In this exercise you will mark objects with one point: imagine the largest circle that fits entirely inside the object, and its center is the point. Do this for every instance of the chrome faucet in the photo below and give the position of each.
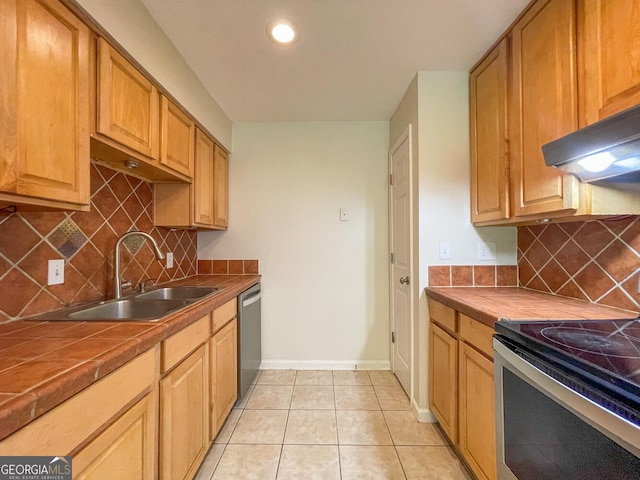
(117, 281)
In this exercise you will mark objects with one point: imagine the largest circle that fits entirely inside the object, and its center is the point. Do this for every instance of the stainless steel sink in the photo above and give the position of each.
(129, 309)
(142, 307)
(177, 293)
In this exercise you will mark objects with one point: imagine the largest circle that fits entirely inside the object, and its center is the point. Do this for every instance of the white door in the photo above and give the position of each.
(401, 258)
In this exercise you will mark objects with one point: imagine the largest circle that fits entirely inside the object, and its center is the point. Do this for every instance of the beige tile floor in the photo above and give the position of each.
(324, 425)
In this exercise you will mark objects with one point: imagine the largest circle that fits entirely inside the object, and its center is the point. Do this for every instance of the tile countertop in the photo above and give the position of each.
(43, 364)
(488, 304)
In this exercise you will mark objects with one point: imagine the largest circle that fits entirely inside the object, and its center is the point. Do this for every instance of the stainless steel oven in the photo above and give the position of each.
(568, 400)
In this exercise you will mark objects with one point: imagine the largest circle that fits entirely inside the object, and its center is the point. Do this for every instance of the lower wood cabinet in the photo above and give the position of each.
(224, 374)
(477, 412)
(184, 417)
(184, 412)
(126, 450)
(443, 388)
(461, 390)
(154, 417)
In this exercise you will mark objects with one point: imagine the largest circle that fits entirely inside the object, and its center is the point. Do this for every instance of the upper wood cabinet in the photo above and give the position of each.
(559, 65)
(44, 125)
(489, 140)
(544, 105)
(221, 188)
(202, 204)
(203, 187)
(127, 103)
(609, 54)
(136, 129)
(176, 138)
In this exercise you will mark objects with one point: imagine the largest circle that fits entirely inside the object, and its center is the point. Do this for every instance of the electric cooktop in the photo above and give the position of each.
(603, 355)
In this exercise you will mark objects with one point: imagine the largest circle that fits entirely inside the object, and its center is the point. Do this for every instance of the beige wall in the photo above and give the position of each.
(129, 22)
(438, 103)
(325, 302)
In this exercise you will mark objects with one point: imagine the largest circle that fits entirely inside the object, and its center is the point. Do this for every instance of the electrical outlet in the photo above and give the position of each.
(445, 253)
(344, 214)
(486, 250)
(55, 273)
(169, 259)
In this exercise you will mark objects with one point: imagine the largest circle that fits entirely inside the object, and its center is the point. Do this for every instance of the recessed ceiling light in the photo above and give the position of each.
(282, 32)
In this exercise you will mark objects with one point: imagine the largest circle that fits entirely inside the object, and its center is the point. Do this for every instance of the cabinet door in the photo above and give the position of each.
(128, 103)
(44, 113)
(477, 431)
(221, 188)
(126, 450)
(203, 190)
(443, 374)
(610, 66)
(489, 152)
(176, 140)
(184, 417)
(224, 374)
(544, 105)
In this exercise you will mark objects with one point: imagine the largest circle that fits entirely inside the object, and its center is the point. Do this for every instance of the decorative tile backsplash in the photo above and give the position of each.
(473, 276)
(85, 240)
(598, 261)
(228, 267)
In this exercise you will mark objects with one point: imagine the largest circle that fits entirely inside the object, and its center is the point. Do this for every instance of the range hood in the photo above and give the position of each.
(607, 150)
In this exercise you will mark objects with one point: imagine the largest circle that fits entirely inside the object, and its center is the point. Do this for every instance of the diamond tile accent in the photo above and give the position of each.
(597, 261)
(119, 203)
(67, 238)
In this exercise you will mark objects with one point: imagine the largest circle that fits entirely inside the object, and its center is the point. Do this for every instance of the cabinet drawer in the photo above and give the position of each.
(443, 315)
(223, 314)
(178, 346)
(477, 334)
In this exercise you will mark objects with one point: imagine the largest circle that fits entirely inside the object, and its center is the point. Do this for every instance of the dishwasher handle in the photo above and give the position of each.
(251, 300)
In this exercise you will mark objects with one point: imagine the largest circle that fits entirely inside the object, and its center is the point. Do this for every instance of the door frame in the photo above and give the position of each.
(406, 135)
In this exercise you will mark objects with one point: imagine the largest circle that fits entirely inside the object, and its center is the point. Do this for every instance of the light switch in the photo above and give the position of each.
(169, 259)
(344, 214)
(55, 274)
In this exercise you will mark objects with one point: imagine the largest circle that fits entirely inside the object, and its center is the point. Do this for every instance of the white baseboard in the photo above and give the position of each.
(423, 415)
(325, 365)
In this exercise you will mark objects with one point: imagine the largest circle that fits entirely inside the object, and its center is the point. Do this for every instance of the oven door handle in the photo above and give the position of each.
(608, 423)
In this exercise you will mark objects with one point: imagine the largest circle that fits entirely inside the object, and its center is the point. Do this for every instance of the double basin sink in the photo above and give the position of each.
(148, 306)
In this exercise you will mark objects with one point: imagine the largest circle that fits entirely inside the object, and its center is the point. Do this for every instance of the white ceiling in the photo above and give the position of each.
(353, 61)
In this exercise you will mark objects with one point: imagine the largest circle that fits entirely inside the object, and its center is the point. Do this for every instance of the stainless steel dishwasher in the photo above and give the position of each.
(249, 337)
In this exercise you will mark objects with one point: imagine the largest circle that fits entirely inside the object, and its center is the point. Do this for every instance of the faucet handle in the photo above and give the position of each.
(142, 286)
